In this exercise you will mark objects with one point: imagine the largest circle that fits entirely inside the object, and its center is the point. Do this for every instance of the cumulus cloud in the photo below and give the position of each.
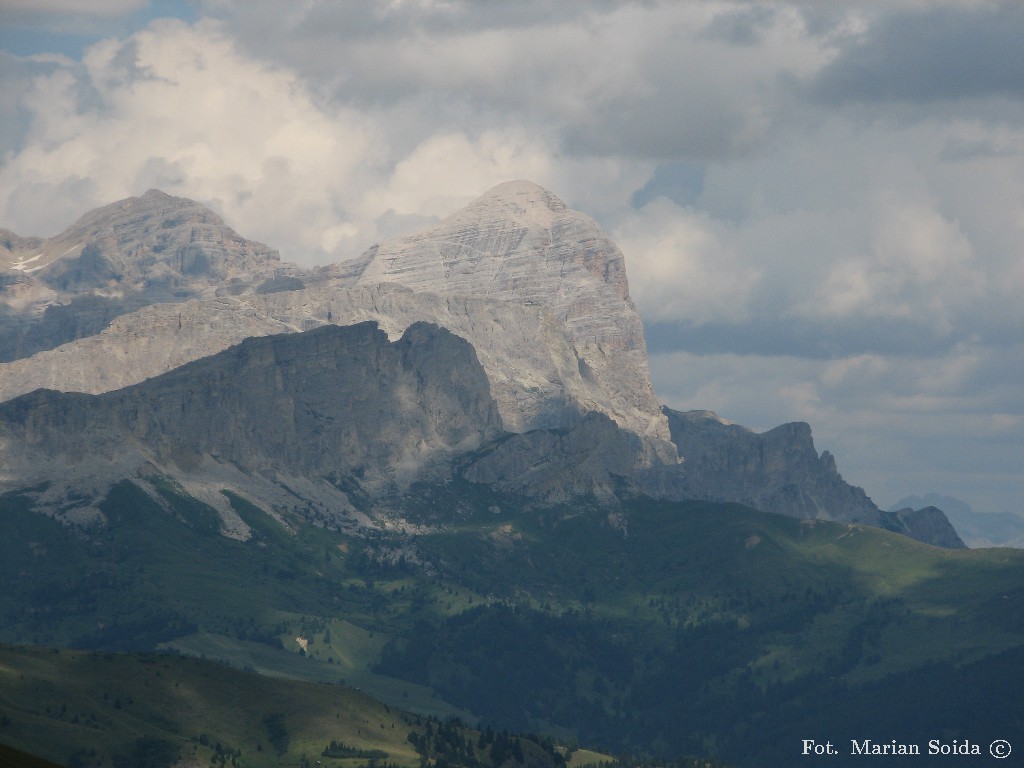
(680, 269)
(180, 108)
(643, 80)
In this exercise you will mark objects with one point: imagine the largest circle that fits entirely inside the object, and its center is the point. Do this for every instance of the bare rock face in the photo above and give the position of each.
(340, 407)
(116, 259)
(520, 243)
(776, 471)
(535, 374)
(159, 287)
(537, 289)
(594, 459)
(930, 524)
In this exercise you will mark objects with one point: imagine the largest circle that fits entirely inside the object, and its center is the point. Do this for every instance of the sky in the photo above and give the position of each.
(821, 205)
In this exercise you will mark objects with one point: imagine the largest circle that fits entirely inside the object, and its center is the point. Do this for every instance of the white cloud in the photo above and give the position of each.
(179, 108)
(679, 267)
(447, 170)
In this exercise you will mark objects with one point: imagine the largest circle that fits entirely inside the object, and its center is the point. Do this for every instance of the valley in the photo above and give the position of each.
(609, 631)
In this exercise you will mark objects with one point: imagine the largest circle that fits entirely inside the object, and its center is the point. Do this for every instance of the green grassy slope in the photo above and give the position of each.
(144, 711)
(713, 628)
(668, 629)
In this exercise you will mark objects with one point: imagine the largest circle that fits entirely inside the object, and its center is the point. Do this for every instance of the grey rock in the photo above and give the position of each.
(775, 471)
(116, 259)
(143, 287)
(978, 529)
(594, 459)
(532, 365)
(537, 289)
(519, 242)
(930, 524)
(339, 407)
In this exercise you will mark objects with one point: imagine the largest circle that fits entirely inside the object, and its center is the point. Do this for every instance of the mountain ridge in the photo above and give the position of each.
(537, 290)
(775, 471)
(116, 259)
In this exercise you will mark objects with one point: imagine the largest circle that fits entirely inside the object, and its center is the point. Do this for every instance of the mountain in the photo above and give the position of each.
(930, 524)
(977, 529)
(519, 242)
(513, 268)
(465, 504)
(776, 471)
(317, 416)
(548, 364)
(116, 259)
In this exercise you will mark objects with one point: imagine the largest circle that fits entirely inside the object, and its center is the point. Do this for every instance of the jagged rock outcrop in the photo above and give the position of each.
(535, 374)
(930, 524)
(342, 408)
(594, 459)
(775, 471)
(150, 284)
(116, 259)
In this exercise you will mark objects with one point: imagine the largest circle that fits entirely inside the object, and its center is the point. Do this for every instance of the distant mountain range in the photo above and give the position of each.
(147, 285)
(977, 529)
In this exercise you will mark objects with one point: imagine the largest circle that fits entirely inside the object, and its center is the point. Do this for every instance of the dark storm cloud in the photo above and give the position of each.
(931, 55)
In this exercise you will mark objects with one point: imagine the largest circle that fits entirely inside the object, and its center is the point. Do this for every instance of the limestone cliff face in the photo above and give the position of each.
(533, 367)
(138, 251)
(536, 294)
(775, 471)
(595, 459)
(518, 242)
(342, 406)
(536, 288)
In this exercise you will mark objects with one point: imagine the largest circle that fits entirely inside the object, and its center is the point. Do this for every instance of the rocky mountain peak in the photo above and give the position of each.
(520, 242)
(521, 199)
(930, 524)
(138, 251)
(157, 235)
(330, 409)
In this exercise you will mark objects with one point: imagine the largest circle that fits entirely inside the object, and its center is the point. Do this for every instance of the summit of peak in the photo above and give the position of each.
(518, 199)
(517, 241)
(525, 192)
(520, 243)
(156, 194)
